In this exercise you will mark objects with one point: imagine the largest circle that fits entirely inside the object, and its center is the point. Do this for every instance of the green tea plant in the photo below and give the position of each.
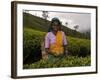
(32, 40)
(69, 61)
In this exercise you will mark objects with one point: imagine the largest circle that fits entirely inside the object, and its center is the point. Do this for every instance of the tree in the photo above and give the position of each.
(45, 15)
(75, 31)
(66, 23)
(76, 27)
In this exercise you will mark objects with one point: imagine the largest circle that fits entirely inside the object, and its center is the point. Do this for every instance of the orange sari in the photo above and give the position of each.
(57, 48)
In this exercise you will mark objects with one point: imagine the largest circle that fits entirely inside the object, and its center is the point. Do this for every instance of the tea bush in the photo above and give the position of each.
(69, 61)
(79, 47)
(32, 45)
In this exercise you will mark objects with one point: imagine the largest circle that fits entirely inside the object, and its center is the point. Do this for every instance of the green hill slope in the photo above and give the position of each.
(40, 24)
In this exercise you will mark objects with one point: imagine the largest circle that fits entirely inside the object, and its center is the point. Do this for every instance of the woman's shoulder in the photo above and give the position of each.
(48, 33)
(62, 32)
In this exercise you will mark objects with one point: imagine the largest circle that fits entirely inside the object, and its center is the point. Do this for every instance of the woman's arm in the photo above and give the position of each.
(46, 46)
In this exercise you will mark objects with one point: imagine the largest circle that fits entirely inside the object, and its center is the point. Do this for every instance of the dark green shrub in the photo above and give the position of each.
(32, 45)
(78, 47)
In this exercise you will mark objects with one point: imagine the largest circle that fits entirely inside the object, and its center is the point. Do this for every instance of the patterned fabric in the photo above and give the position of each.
(55, 42)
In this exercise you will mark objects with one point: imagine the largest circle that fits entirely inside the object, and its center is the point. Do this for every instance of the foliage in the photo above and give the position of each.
(32, 45)
(69, 61)
(79, 47)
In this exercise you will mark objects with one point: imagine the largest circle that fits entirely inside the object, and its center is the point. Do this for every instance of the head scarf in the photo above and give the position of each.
(55, 19)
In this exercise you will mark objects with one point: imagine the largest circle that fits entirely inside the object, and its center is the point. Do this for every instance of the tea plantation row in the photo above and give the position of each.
(32, 40)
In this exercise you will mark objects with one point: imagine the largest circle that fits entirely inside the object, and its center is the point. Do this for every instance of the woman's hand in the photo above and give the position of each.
(45, 54)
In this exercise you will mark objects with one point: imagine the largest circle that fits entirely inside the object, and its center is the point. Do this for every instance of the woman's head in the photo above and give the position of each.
(55, 24)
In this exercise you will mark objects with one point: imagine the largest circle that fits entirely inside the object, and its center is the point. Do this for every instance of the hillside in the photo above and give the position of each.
(40, 24)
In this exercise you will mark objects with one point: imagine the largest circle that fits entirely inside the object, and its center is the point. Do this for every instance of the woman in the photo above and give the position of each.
(55, 41)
